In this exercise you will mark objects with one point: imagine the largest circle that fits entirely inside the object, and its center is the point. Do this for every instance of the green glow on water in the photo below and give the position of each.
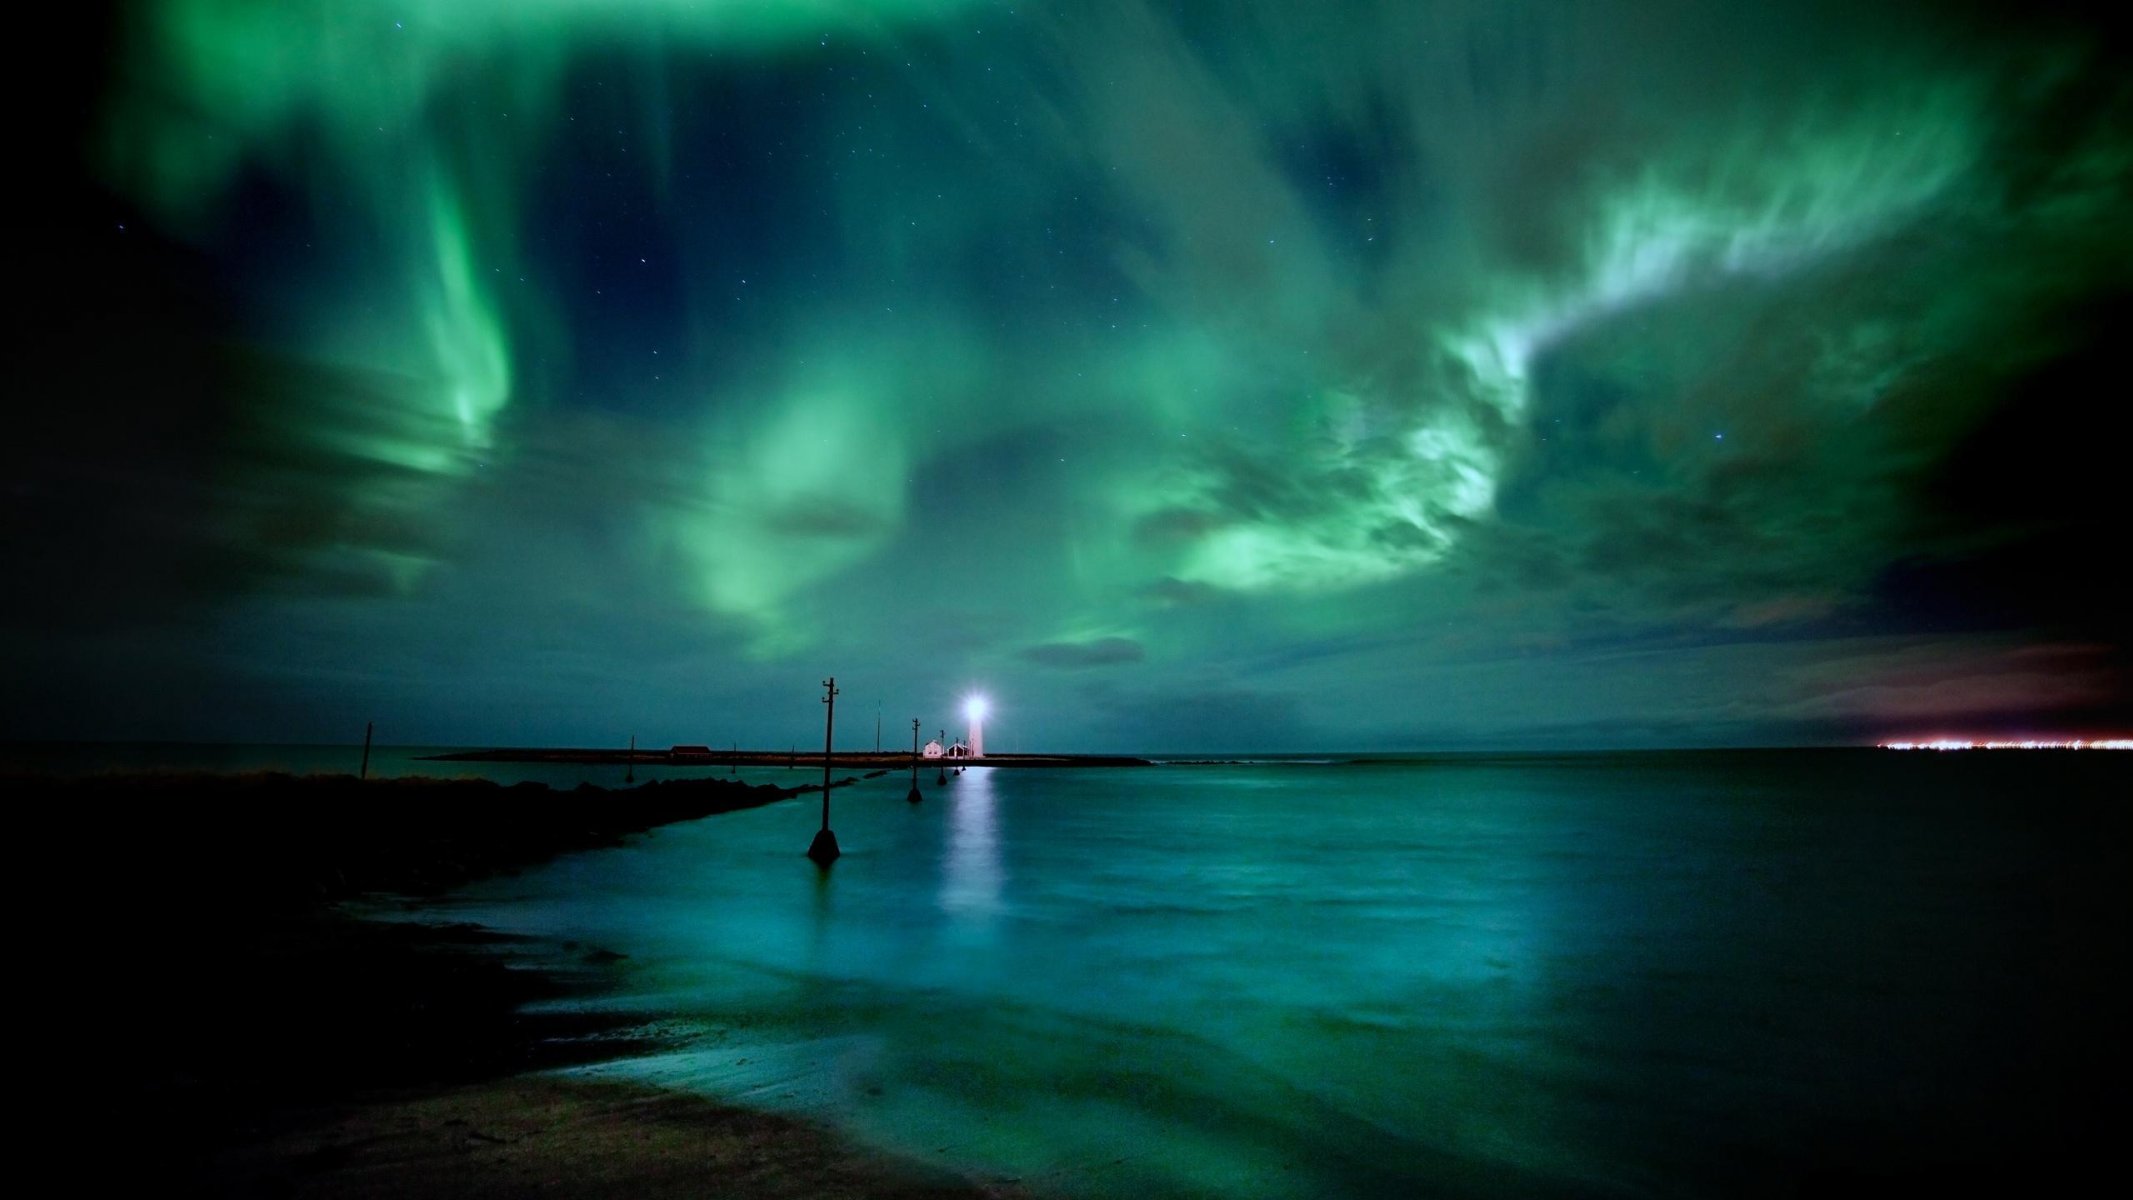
(1486, 977)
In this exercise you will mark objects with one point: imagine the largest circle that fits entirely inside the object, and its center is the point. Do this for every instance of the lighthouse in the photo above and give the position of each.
(974, 709)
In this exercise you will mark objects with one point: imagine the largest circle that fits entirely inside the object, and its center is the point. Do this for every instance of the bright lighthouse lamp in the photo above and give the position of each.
(974, 710)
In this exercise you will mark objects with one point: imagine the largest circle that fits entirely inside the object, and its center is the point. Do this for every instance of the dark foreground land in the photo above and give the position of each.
(221, 1020)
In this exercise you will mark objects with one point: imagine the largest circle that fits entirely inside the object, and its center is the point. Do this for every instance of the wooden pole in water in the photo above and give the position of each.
(914, 797)
(824, 850)
(367, 727)
(629, 773)
(829, 733)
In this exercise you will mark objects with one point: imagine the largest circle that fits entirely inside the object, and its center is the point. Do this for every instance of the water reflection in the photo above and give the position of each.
(970, 862)
(819, 929)
(1670, 976)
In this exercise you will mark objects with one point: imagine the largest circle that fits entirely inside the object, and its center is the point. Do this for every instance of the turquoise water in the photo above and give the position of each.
(1638, 974)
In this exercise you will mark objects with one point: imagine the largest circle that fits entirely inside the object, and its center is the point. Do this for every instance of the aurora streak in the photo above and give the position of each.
(1585, 373)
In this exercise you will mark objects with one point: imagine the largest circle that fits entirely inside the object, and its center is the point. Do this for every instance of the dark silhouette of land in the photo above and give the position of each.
(703, 756)
(230, 1017)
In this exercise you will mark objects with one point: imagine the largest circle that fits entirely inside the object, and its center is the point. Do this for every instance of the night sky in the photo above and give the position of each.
(1186, 376)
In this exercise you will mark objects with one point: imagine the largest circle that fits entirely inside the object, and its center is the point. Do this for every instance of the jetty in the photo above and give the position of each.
(704, 756)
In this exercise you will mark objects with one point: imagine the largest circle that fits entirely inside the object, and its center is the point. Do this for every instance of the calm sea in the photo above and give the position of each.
(1637, 974)
(1646, 974)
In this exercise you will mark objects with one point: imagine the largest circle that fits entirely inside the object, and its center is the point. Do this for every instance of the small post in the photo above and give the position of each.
(824, 850)
(943, 780)
(629, 773)
(914, 797)
(367, 727)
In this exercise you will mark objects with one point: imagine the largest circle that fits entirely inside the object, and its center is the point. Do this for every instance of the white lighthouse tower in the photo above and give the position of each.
(974, 709)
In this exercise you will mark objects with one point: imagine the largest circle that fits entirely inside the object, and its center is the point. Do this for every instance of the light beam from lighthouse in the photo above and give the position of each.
(974, 709)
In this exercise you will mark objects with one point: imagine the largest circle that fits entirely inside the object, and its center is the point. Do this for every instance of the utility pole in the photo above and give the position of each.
(943, 780)
(824, 850)
(914, 797)
(629, 773)
(367, 727)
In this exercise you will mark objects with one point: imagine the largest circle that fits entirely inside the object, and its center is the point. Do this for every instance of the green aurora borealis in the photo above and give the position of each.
(1189, 375)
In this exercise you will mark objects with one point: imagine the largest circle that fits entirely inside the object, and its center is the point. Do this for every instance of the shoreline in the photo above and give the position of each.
(240, 1023)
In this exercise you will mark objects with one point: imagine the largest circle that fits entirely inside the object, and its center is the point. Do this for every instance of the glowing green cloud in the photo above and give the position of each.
(221, 82)
(814, 486)
(832, 324)
(466, 334)
(1405, 469)
(361, 105)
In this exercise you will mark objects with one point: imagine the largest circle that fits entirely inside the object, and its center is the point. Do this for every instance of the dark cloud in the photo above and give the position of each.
(1099, 652)
(1214, 717)
(1926, 686)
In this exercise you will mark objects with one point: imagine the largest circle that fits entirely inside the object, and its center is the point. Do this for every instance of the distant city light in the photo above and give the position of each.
(1960, 744)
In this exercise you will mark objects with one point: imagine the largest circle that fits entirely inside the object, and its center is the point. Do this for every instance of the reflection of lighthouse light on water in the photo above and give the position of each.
(972, 873)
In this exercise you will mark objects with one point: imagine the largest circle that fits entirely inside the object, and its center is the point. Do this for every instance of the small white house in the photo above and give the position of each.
(933, 749)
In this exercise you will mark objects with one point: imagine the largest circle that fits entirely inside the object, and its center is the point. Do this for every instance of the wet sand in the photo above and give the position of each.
(559, 1137)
